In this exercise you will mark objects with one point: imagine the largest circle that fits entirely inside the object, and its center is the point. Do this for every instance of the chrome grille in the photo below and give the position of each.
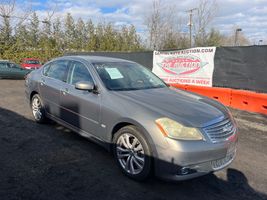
(220, 131)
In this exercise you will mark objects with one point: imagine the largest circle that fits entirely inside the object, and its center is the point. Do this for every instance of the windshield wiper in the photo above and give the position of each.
(143, 88)
(124, 89)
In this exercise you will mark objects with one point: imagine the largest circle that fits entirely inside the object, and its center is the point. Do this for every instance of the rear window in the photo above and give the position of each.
(35, 62)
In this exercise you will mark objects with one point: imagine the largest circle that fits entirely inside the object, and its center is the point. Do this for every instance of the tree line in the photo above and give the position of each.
(31, 37)
(50, 38)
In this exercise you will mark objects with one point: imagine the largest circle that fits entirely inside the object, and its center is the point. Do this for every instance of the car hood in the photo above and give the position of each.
(184, 107)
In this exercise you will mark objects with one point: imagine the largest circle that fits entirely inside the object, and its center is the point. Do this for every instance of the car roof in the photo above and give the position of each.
(96, 59)
(30, 59)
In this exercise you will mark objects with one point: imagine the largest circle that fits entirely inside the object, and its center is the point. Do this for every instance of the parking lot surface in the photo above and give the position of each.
(51, 162)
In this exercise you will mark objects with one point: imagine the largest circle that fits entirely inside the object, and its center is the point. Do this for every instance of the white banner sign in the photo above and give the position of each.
(189, 66)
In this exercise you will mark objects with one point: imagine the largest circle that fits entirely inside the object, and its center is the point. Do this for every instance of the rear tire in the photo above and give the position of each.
(38, 110)
(132, 153)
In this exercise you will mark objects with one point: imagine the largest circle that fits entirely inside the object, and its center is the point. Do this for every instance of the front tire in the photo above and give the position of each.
(38, 109)
(132, 153)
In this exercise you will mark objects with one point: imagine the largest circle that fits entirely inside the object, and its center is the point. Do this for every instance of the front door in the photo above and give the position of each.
(80, 108)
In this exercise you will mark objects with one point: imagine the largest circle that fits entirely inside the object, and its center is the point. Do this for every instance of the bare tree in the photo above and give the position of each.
(10, 20)
(206, 12)
(164, 27)
(154, 23)
(47, 22)
(8, 10)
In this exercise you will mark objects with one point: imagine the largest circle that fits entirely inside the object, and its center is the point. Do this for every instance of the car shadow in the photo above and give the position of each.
(51, 162)
(234, 186)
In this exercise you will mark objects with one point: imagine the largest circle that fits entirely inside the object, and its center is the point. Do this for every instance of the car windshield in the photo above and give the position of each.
(127, 76)
(32, 62)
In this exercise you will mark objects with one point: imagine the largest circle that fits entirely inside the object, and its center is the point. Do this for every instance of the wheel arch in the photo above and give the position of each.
(144, 132)
(32, 94)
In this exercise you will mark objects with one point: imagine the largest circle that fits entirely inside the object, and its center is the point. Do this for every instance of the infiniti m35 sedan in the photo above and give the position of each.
(149, 126)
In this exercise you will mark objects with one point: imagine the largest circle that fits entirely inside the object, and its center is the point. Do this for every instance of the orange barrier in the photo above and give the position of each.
(180, 86)
(222, 95)
(240, 99)
(250, 101)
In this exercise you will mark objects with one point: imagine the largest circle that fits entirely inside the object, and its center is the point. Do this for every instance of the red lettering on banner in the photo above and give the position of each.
(192, 66)
(192, 81)
(202, 82)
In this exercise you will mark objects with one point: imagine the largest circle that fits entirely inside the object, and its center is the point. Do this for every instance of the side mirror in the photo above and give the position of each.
(85, 85)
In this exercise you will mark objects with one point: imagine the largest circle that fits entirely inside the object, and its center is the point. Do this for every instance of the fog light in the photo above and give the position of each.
(185, 171)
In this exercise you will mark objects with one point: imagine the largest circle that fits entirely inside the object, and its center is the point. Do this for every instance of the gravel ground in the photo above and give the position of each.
(51, 162)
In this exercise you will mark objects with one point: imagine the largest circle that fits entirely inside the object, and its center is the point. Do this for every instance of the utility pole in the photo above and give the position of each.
(190, 24)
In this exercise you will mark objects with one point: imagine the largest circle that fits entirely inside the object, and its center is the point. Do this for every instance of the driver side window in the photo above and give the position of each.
(79, 73)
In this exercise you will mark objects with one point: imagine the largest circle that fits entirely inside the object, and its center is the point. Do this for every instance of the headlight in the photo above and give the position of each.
(173, 129)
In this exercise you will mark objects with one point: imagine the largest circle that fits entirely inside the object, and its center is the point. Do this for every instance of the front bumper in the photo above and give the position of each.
(189, 159)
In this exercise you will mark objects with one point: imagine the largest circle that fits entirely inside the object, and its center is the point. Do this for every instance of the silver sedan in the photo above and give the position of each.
(130, 111)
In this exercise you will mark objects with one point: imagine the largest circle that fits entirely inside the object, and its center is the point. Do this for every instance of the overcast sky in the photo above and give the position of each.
(250, 15)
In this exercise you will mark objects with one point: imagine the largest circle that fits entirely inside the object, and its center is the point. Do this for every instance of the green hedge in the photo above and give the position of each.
(42, 55)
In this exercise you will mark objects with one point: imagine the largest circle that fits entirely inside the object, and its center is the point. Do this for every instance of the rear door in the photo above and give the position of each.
(80, 108)
(53, 77)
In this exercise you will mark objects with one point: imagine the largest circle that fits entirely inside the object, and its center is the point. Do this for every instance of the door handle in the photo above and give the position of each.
(65, 91)
(42, 81)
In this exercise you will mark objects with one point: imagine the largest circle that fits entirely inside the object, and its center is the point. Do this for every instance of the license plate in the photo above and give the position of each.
(221, 163)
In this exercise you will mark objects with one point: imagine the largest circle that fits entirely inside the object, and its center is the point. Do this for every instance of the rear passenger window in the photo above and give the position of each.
(58, 70)
(79, 73)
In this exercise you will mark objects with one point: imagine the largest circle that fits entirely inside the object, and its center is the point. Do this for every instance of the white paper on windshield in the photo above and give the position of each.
(114, 73)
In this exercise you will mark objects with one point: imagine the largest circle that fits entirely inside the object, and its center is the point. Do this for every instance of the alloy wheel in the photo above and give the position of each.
(36, 108)
(130, 153)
